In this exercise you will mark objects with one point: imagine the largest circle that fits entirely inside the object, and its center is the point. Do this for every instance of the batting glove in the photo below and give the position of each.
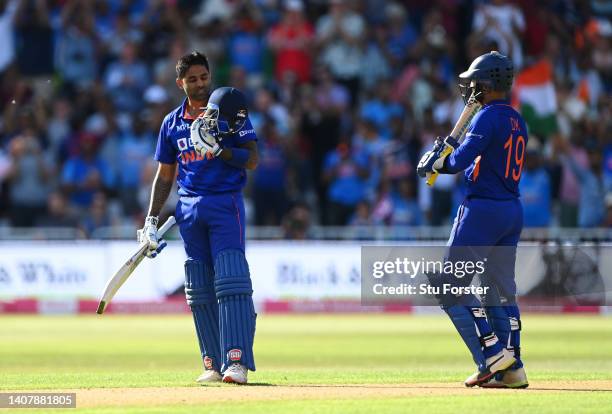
(433, 160)
(148, 234)
(203, 141)
(449, 145)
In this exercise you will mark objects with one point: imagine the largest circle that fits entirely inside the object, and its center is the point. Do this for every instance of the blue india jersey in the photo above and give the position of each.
(493, 152)
(198, 176)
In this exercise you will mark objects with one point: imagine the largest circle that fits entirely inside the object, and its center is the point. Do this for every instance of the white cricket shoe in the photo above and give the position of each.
(497, 363)
(209, 375)
(512, 378)
(236, 373)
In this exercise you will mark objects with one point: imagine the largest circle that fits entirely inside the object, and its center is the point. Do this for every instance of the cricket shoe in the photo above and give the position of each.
(512, 378)
(236, 373)
(497, 363)
(209, 375)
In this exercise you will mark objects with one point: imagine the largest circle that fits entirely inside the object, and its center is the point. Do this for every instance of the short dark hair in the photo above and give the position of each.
(189, 60)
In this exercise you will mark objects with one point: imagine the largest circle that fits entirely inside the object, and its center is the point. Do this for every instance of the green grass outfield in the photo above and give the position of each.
(347, 358)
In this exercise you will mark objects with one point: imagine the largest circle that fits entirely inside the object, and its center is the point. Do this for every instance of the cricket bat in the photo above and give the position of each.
(458, 132)
(119, 278)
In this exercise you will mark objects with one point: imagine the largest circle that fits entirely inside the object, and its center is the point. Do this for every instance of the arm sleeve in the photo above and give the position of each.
(476, 140)
(165, 151)
(246, 134)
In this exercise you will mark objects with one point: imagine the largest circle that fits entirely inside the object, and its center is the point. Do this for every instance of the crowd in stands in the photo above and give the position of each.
(345, 96)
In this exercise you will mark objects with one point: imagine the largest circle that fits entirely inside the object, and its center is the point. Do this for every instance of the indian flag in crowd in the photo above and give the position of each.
(534, 95)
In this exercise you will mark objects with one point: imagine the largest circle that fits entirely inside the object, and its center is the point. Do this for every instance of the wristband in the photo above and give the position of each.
(240, 157)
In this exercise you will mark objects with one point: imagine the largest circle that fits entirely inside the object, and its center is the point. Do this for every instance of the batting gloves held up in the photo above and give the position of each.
(203, 141)
(433, 160)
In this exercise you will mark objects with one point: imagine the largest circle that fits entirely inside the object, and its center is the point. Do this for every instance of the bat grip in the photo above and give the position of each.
(166, 226)
(431, 179)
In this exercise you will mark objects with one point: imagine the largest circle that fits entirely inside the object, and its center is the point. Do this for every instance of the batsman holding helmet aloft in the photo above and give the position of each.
(491, 216)
(212, 141)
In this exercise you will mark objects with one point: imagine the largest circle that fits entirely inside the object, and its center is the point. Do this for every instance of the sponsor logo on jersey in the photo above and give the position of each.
(188, 153)
(246, 131)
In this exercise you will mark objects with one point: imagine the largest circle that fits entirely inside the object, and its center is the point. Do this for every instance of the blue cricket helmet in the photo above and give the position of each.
(491, 71)
(226, 112)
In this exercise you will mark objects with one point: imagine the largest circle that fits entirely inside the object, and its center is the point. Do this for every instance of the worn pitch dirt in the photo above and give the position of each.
(201, 395)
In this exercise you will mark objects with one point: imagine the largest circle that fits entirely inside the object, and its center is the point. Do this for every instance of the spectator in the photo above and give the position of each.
(382, 208)
(246, 46)
(535, 188)
(380, 109)
(123, 32)
(126, 80)
(345, 171)
(362, 216)
(503, 23)
(268, 108)
(30, 179)
(406, 211)
(340, 35)
(269, 181)
(76, 49)
(398, 35)
(86, 173)
(58, 213)
(7, 34)
(291, 40)
(297, 222)
(136, 146)
(35, 40)
(570, 189)
(591, 209)
(98, 216)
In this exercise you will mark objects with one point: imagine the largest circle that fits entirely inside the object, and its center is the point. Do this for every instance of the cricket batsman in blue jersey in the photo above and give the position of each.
(212, 141)
(488, 222)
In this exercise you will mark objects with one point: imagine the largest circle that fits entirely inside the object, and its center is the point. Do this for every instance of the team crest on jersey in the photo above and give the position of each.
(234, 355)
(208, 362)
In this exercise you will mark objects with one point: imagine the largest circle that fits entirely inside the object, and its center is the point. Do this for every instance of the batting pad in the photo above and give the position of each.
(506, 324)
(236, 311)
(200, 293)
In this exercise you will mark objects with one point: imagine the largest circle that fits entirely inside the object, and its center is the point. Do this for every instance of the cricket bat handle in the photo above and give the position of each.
(458, 132)
(431, 177)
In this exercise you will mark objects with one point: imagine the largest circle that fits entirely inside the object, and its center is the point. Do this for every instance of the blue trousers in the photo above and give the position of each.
(210, 224)
(493, 228)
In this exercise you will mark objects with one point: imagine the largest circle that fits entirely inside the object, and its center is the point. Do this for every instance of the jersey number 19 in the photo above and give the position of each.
(516, 153)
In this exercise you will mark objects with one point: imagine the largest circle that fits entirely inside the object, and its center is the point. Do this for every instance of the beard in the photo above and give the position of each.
(200, 95)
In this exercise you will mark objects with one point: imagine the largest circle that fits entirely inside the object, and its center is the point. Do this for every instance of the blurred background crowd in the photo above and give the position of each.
(345, 96)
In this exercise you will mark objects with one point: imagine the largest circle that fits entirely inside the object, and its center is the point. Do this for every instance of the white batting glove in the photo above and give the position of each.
(204, 143)
(148, 235)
